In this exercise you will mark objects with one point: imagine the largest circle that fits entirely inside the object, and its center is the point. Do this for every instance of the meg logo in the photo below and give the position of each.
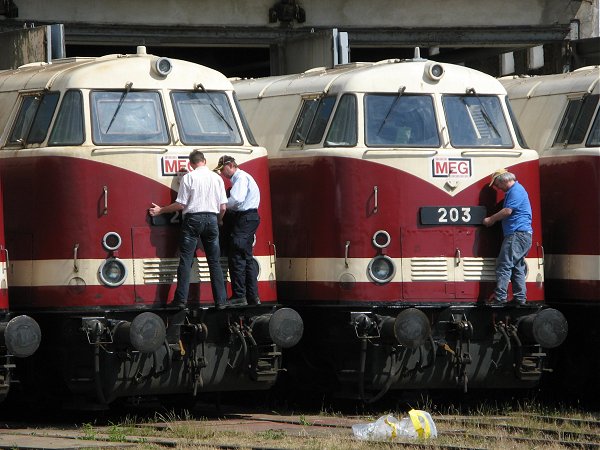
(451, 167)
(174, 165)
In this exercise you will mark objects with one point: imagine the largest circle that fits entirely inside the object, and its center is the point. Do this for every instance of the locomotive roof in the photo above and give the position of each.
(110, 72)
(580, 80)
(383, 76)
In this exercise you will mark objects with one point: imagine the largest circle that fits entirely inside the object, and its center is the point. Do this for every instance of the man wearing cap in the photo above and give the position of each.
(242, 206)
(516, 227)
(203, 199)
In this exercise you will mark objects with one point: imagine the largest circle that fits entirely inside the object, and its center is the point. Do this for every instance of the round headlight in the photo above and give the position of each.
(381, 239)
(381, 269)
(163, 66)
(111, 241)
(112, 272)
(435, 71)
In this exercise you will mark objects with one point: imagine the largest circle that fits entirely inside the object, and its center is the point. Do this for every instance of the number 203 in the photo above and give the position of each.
(454, 215)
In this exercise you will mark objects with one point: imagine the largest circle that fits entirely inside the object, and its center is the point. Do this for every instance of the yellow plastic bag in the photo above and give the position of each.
(419, 425)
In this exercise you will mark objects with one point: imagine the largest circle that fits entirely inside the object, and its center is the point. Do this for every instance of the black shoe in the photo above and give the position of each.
(254, 301)
(178, 305)
(221, 305)
(241, 301)
(493, 300)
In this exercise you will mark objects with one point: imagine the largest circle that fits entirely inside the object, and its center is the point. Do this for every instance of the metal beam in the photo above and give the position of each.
(96, 34)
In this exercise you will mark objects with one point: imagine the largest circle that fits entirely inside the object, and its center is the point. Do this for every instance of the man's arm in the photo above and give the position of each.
(158, 210)
(503, 213)
(222, 210)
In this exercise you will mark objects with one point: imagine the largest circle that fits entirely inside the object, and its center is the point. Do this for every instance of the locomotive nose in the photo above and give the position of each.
(548, 328)
(22, 336)
(285, 327)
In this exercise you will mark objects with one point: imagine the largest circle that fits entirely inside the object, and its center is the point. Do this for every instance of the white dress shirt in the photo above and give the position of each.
(201, 190)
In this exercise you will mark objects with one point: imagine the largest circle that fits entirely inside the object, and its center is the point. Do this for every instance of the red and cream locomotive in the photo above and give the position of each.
(20, 335)
(379, 184)
(86, 146)
(560, 118)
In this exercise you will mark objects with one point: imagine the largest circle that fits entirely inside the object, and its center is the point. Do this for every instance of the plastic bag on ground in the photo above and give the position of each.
(418, 425)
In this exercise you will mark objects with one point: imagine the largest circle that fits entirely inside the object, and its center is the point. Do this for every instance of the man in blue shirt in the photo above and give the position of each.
(516, 227)
(242, 207)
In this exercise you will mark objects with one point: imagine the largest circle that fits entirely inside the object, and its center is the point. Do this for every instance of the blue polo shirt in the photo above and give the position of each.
(516, 198)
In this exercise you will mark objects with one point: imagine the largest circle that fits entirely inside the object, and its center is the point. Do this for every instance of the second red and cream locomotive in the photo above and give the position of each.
(380, 180)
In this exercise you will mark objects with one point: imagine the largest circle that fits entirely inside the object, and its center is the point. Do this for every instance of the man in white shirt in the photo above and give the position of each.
(202, 200)
(242, 205)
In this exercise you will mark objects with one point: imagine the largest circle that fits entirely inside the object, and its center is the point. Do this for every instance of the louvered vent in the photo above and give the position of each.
(479, 269)
(428, 269)
(165, 270)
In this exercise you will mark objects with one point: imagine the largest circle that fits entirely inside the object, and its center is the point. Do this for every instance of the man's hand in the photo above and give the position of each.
(155, 210)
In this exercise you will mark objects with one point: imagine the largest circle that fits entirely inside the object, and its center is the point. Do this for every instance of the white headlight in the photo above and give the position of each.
(112, 272)
(381, 269)
(434, 71)
(163, 66)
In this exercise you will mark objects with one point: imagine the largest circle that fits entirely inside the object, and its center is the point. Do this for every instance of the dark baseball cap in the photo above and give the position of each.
(225, 159)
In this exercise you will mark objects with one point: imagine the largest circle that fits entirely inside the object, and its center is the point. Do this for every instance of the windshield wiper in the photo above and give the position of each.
(123, 95)
(484, 113)
(400, 93)
(214, 107)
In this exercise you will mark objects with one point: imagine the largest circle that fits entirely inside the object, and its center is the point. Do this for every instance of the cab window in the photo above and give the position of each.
(128, 118)
(476, 121)
(68, 126)
(400, 120)
(33, 119)
(343, 129)
(205, 118)
(312, 121)
(576, 120)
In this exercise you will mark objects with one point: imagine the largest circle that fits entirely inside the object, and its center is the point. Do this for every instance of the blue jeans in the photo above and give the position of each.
(510, 266)
(203, 226)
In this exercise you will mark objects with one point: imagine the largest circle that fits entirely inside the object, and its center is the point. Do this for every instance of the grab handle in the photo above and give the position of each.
(346, 250)
(105, 189)
(376, 196)
(75, 263)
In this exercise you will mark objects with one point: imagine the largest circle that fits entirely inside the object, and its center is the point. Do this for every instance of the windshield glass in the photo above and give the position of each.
(205, 118)
(126, 118)
(476, 121)
(400, 120)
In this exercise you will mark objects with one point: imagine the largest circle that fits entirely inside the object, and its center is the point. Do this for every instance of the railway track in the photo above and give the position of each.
(273, 432)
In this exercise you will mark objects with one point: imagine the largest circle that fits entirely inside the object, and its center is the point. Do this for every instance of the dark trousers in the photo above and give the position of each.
(201, 226)
(242, 267)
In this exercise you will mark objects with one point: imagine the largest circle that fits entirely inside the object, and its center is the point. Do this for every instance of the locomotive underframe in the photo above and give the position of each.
(204, 351)
(359, 361)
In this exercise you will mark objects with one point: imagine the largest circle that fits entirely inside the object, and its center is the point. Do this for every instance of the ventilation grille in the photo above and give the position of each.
(479, 269)
(164, 271)
(428, 269)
